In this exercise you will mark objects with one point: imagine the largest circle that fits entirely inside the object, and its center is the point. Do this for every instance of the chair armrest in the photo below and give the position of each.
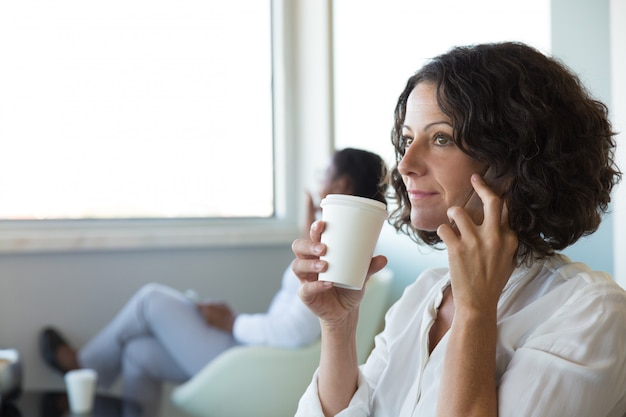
(237, 381)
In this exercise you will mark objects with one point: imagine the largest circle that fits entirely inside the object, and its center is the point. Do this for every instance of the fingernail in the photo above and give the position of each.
(319, 265)
(317, 249)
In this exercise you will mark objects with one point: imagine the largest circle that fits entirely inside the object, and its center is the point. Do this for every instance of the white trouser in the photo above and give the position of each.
(158, 336)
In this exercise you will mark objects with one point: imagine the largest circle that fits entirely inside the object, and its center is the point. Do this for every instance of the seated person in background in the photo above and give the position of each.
(161, 336)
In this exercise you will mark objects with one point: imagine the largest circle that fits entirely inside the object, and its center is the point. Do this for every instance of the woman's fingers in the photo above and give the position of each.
(446, 232)
(378, 262)
(311, 289)
(310, 248)
(308, 269)
(490, 233)
(317, 227)
(490, 205)
(307, 264)
(496, 222)
(307, 249)
(459, 220)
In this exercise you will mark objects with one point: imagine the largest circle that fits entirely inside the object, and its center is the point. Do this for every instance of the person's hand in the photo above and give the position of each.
(331, 304)
(481, 257)
(218, 314)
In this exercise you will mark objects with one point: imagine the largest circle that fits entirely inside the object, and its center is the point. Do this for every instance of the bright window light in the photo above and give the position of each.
(377, 52)
(136, 109)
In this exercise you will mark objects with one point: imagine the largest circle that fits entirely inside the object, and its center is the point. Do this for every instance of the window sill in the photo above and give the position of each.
(70, 236)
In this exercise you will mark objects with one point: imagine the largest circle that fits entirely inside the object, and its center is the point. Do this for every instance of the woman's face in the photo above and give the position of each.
(435, 171)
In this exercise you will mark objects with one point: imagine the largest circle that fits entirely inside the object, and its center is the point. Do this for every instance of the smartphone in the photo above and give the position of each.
(474, 205)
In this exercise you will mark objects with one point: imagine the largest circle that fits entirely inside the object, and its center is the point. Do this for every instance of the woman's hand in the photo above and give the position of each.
(481, 257)
(338, 311)
(331, 304)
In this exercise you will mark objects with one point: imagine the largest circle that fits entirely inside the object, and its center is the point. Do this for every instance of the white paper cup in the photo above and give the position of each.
(81, 390)
(353, 225)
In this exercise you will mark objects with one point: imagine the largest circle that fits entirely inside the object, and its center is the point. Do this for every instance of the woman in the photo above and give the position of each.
(502, 156)
(160, 335)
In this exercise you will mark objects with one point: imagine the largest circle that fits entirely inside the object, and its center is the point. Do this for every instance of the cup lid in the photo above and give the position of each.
(352, 200)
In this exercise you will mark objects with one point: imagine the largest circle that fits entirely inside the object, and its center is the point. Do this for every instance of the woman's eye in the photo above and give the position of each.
(406, 142)
(441, 140)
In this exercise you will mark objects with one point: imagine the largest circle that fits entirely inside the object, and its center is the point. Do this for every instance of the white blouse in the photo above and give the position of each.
(288, 323)
(561, 348)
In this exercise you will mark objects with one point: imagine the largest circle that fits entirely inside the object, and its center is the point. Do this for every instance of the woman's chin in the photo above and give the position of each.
(428, 220)
(425, 224)
(424, 227)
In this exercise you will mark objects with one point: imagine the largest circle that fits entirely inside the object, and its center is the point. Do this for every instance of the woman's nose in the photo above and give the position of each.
(411, 161)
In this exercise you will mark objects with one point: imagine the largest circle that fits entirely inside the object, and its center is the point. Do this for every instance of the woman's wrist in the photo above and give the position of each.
(342, 326)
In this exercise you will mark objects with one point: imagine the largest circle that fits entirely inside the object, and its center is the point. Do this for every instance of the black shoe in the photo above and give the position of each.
(49, 342)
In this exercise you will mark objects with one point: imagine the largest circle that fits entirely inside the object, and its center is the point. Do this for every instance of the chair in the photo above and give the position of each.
(263, 381)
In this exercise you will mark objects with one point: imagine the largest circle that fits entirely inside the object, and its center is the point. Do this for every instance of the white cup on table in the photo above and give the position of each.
(81, 390)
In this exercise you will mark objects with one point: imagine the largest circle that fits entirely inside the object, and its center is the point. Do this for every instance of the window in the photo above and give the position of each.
(135, 115)
(130, 109)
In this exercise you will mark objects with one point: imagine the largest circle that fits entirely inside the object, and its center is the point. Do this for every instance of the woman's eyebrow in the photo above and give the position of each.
(430, 125)
(441, 122)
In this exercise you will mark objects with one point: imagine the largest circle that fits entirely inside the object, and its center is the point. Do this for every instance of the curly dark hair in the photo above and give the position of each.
(366, 170)
(530, 119)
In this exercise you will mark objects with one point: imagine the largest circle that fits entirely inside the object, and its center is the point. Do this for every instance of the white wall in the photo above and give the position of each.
(590, 37)
(618, 107)
(581, 39)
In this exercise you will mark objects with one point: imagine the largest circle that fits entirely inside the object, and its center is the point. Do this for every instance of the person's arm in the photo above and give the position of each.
(468, 385)
(310, 215)
(287, 323)
(337, 309)
(481, 262)
(338, 371)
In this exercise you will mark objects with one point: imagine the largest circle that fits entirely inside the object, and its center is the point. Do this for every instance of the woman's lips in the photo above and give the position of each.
(419, 195)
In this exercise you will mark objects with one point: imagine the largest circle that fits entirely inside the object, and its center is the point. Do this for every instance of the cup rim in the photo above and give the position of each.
(347, 199)
(80, 372)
